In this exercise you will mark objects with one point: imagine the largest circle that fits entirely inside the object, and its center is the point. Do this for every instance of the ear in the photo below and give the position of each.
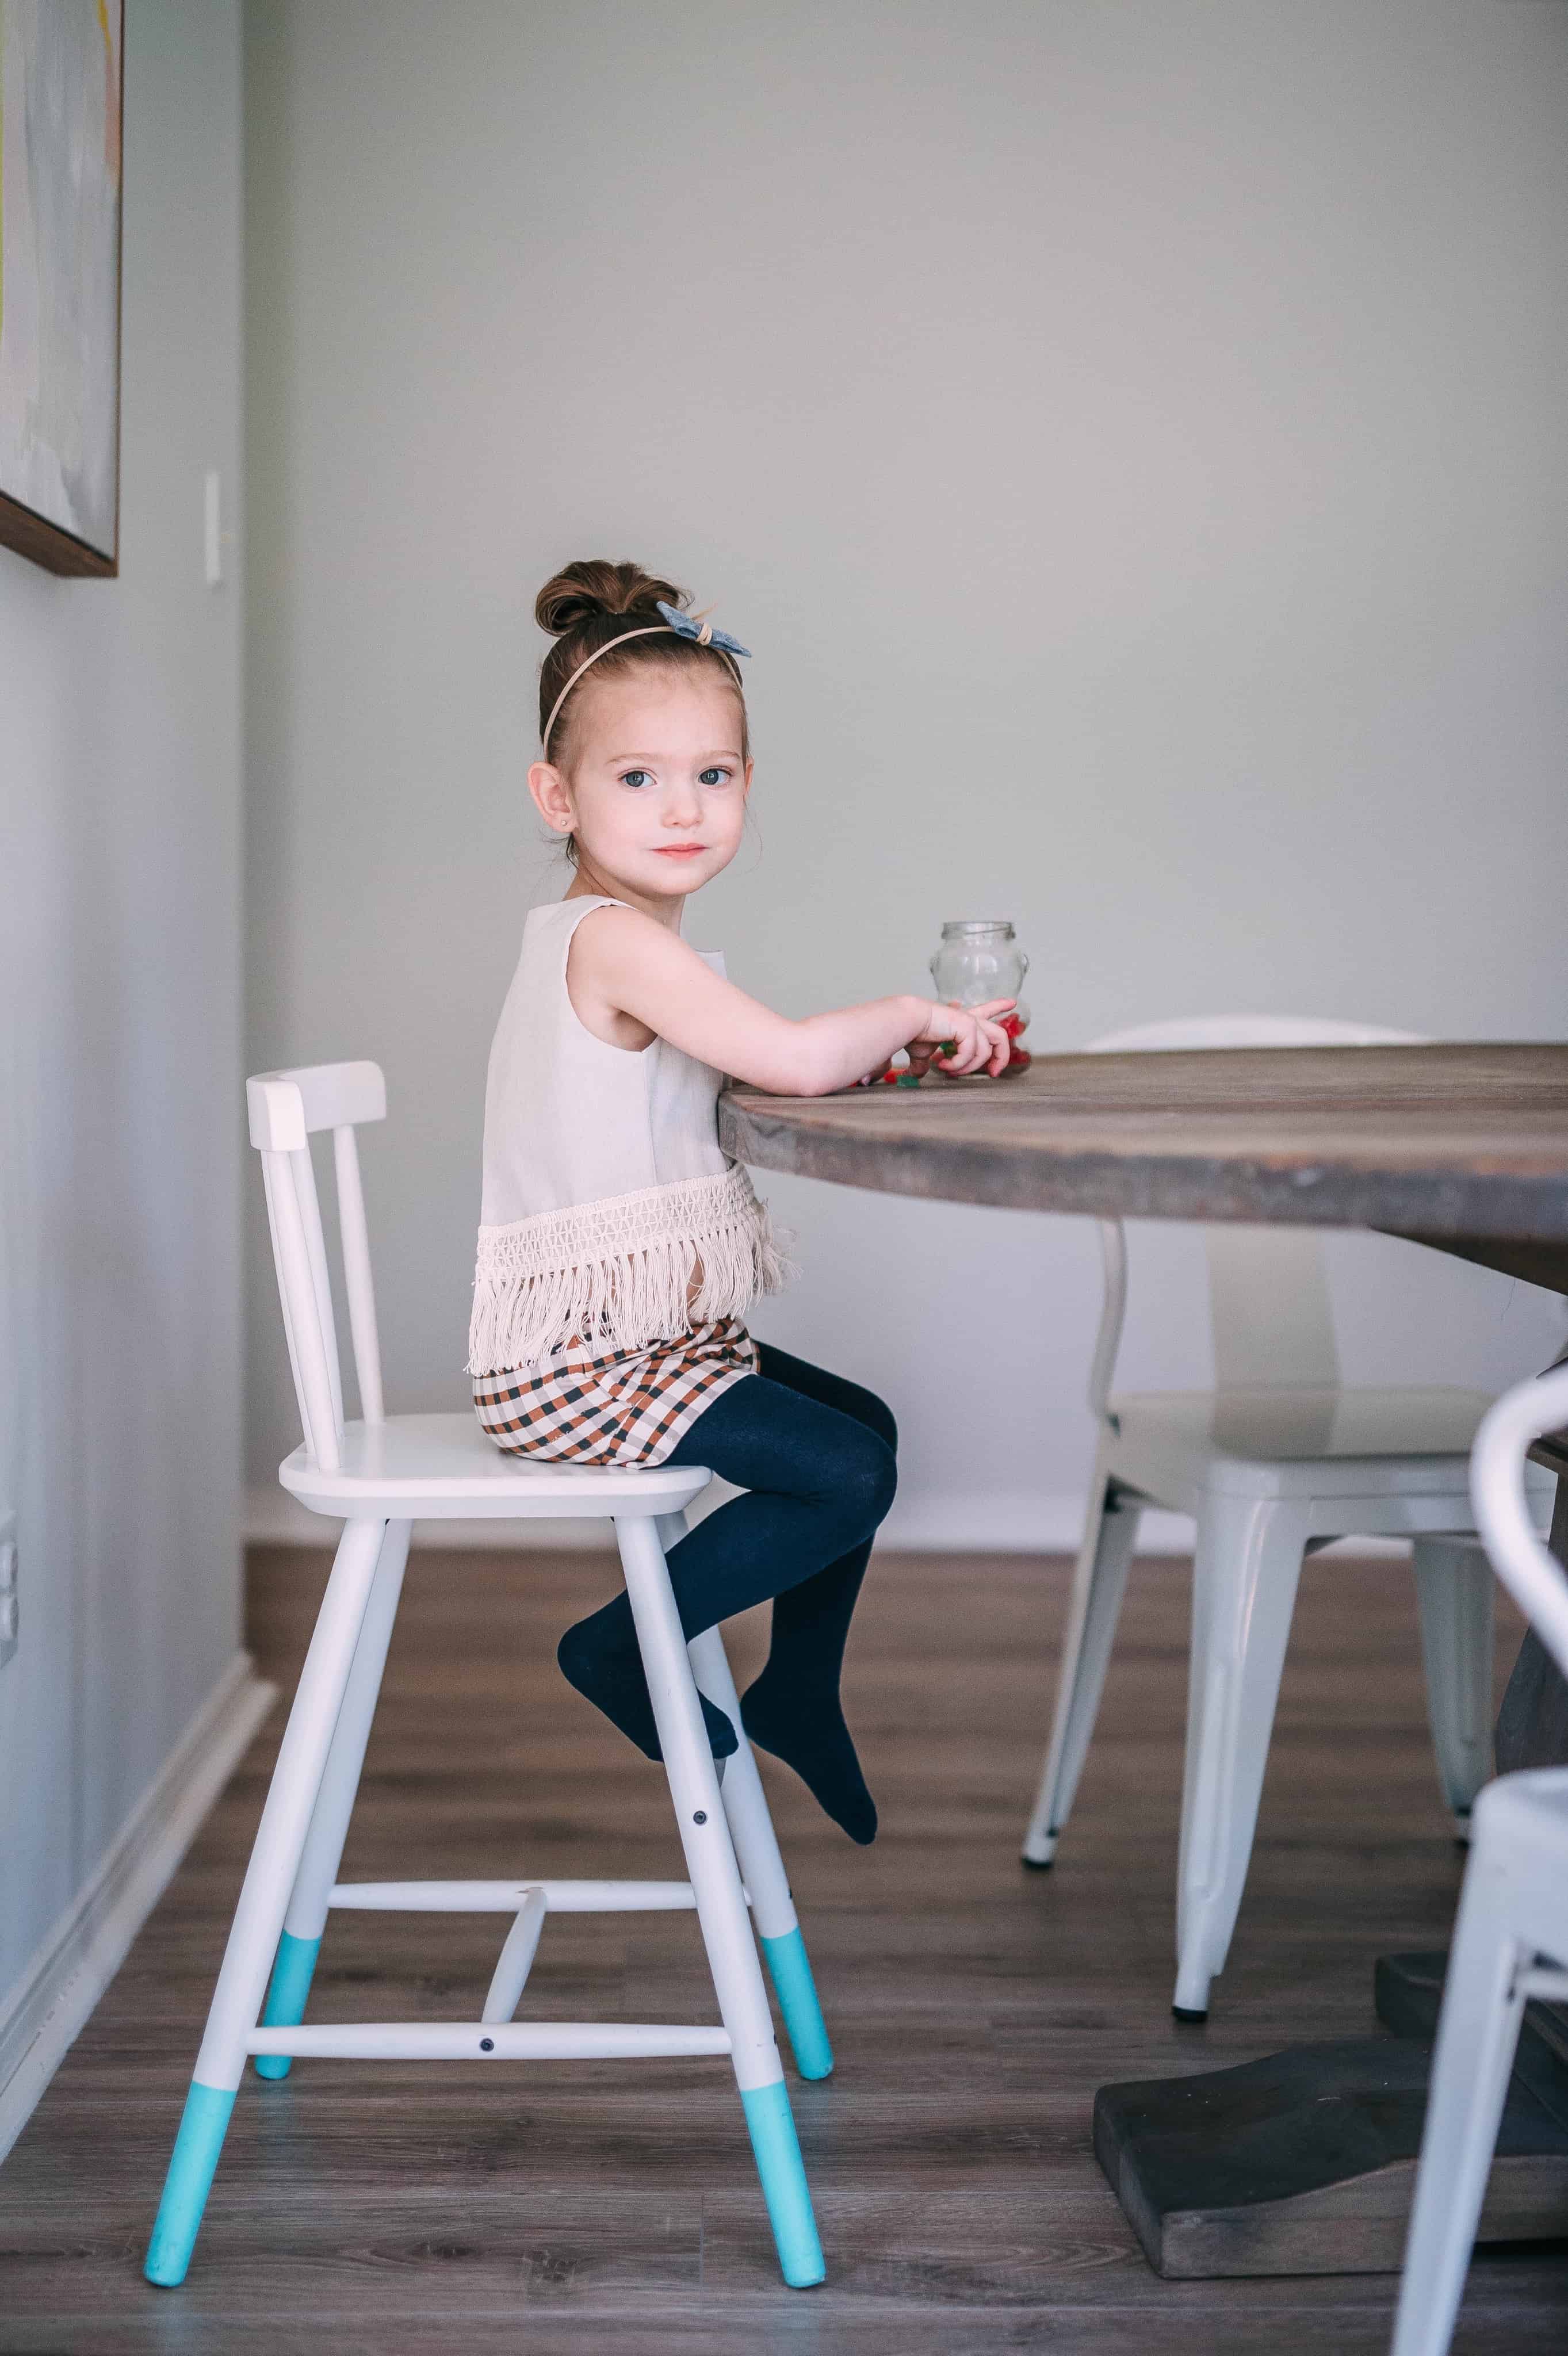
(553, 797)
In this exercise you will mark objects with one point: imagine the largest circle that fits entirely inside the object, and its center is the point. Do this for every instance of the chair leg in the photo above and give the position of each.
(1099, 1582)
(762, 1870)
(305, 1921)
(721, 1902)
(756, 1849)
(1453, 1590)
(258, 1918)
(1246, 1568)
(1478, 2032)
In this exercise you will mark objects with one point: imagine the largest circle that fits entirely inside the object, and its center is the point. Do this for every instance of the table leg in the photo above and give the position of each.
(1532, 1724)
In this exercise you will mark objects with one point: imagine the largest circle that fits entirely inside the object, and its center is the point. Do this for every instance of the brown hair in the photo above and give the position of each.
(590, 605)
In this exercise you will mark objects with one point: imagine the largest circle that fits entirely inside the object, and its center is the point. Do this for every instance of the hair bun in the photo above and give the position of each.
(593, 590)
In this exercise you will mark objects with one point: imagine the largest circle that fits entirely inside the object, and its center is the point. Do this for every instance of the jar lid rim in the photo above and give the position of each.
(977, 924)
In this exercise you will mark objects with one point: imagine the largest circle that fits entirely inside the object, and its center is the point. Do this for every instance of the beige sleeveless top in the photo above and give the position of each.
(605, 1189)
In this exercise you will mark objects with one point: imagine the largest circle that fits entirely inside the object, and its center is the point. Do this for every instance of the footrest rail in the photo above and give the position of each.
(489, 2041)
(506, 1897)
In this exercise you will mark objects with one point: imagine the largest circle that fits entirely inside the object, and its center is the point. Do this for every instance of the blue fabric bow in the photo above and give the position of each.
(691, 626)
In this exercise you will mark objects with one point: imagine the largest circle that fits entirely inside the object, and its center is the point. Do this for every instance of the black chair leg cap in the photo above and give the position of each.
(1180, 2012)
(1037, 1864)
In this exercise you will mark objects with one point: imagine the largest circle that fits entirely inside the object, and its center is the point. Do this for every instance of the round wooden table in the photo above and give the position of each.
(1461, 1148)
(1465, 1147)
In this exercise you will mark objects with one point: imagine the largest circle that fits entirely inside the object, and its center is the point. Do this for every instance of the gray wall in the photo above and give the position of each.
(1130, 436)
(120, 1001)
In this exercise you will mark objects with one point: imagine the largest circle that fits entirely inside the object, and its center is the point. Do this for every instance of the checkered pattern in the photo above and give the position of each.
(624, 1407)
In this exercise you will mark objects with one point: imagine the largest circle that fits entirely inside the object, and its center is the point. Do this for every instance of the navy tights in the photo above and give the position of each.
(815, 1456)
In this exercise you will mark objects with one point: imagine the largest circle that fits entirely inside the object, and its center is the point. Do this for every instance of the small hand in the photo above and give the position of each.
(958, 1039)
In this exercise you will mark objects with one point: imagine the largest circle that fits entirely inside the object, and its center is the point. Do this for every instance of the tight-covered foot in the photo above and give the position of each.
(807, 1733)
(608, 1672)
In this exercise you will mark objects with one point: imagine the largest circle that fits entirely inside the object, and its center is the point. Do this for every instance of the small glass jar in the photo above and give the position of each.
(979, 959)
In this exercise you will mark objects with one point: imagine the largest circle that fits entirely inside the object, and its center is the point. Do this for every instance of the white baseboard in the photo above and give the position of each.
(49, 2006)
(992, 1522)
(1000, 1522)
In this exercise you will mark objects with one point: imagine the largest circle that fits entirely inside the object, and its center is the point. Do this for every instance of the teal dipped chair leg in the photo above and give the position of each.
(756, 1847)
(190, 2172)
(256, 1931)
(776, 2150)
(294, 1966)
(789, 1969)
(292, 1971)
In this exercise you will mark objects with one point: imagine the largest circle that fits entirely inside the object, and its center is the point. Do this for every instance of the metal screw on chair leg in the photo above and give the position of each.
(701, 1818)
(487, 2044)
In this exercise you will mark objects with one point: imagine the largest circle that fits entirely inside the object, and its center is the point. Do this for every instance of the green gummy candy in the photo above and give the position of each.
(907, 1080)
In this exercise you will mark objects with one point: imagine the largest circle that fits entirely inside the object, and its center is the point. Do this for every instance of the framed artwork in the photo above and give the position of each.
(61, 73)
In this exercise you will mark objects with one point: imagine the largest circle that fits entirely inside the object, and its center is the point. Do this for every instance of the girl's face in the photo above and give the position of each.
(656, 791)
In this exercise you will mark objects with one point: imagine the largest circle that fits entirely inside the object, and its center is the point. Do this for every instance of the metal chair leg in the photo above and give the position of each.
(1100, 1581)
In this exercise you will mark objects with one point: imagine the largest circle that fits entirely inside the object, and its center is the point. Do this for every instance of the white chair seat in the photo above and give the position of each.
(444, 1467)
(1345, 1444)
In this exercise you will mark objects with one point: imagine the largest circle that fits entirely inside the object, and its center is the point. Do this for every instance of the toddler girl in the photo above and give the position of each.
(619, 1248)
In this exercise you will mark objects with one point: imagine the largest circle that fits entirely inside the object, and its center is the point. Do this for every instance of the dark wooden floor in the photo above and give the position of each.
(974, 2010)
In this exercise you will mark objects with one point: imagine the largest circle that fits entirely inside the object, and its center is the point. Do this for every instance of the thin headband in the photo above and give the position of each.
(676, 624)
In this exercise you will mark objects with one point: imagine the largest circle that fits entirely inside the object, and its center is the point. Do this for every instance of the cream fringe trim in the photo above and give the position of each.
(617, 1273)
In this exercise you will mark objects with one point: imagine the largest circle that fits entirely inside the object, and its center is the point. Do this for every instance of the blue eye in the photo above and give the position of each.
(637, 778)
(713, 777)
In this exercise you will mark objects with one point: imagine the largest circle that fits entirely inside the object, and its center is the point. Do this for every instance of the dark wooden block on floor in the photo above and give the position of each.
(1305, 2162)
(1409, 1991)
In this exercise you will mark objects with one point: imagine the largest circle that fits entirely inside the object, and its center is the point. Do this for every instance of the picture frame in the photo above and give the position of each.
(61, 124)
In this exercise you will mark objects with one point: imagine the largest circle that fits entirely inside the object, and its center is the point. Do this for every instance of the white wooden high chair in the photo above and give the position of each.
(1275, 1462)
(376, 1477)
(1510, 1939)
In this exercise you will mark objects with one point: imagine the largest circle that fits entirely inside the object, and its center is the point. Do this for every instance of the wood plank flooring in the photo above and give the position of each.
(974, 2007)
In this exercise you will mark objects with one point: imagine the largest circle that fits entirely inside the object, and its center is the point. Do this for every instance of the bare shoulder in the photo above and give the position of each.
(616, 940)
(619, 958)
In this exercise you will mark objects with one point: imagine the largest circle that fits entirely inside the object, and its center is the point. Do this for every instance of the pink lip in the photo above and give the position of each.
(679, 850)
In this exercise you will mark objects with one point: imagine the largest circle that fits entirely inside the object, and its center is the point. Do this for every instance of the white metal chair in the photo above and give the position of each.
(1277, 1461)
(1511, 1940)
(377, 1475)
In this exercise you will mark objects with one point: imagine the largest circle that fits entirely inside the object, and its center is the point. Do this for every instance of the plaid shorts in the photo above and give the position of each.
(626, 1407)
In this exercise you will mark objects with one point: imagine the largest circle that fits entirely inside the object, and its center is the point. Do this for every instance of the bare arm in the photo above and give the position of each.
(623, 964)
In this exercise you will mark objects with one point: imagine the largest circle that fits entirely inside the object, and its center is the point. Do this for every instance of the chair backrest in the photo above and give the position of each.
(286, 1108)
(1268, 1287)
(1530, 1572)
